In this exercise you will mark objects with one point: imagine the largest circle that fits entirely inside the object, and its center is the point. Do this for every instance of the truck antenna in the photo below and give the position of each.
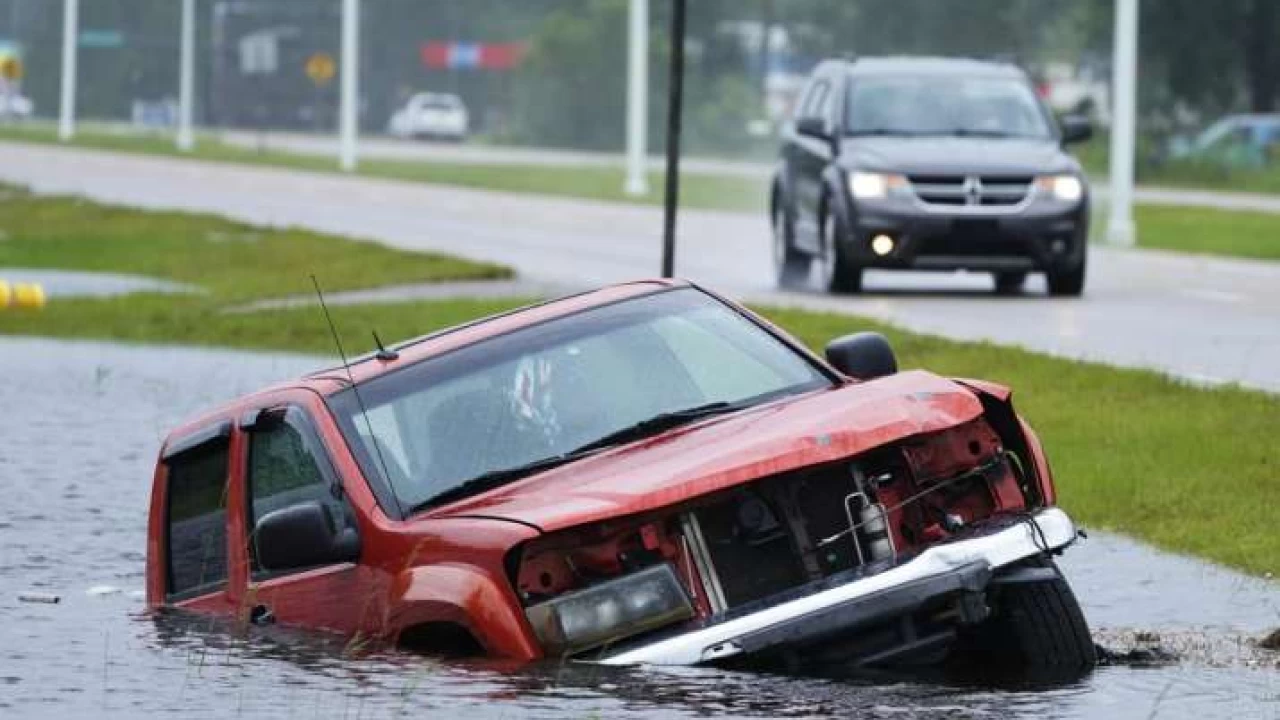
(364, 412)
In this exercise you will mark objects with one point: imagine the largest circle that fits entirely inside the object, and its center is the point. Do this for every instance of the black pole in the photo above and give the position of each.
(675, 99)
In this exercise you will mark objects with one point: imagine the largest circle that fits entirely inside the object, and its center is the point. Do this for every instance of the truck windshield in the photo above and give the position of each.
(944, 105)
(542, 392)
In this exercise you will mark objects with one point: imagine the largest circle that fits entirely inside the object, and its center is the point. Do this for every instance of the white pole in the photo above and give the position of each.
(348, 120)
(1124, 81)
(637, 97)
(187, 76)
(70, 38)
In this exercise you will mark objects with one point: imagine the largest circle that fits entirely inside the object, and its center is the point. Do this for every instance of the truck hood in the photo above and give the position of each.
(715, 454)
(955, 155)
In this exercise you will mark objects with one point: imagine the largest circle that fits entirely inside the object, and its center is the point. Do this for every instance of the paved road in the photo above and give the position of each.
(1206, 319)
(391, 149)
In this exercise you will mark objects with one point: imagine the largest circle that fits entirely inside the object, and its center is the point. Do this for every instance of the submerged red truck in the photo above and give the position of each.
(646, 473)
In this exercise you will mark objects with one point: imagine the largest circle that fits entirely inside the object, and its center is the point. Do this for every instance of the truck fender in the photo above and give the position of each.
(465, 595)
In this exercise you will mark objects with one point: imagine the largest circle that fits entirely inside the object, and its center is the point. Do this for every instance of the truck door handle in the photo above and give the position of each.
(261, 615)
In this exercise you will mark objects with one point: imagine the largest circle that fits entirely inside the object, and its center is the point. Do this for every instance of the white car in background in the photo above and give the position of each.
(15, 107)
(431, 115)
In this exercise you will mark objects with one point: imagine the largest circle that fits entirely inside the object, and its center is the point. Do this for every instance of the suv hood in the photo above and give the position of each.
(958, 155)
(722, 452)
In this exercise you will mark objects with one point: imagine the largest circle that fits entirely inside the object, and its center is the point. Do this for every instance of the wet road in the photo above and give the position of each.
(81, 425)
(1211, 320)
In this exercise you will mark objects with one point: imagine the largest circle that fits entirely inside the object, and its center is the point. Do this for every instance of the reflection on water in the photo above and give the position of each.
(80, 424)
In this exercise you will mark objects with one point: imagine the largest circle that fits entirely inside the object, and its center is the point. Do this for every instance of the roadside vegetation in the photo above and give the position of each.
(1196, 230)
(1189, 469)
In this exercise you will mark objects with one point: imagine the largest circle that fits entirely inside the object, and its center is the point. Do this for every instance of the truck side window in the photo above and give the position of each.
(288, 466)
(197, 528)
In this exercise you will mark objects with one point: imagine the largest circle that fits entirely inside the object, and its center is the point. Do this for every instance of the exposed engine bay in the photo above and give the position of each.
(765, 540)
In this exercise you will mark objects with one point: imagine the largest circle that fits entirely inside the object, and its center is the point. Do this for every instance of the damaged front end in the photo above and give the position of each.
(899, 555)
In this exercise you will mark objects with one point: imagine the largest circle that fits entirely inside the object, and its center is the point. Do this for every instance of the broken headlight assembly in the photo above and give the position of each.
(610, 611)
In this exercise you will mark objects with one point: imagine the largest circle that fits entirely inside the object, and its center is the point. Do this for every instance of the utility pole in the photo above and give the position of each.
(675, 101)
(637, 97)
(70, 38)
(187, 77)
(1124, 83)
(348, 120)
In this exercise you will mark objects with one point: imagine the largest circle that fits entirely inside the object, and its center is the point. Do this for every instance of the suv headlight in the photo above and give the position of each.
(1067, 188)
(610, 611)
(871, 185)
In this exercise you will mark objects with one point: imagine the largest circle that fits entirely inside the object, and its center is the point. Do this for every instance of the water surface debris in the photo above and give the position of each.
(39, 597)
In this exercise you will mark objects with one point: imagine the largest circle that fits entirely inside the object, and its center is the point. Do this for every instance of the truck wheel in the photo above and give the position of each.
(838, 274)
(1010, 283)
(790, 265)
(1067, 283)
(1037, 633)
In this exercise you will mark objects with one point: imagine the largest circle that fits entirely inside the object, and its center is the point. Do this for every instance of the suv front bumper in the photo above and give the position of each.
(1044, 235)
(951, 568)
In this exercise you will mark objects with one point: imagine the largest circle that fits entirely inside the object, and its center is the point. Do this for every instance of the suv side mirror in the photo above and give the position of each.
(303, 535)
(1076, 129)
(864, 355)
(812, 127)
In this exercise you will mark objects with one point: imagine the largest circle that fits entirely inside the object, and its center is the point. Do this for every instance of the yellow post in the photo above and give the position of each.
(22, 296)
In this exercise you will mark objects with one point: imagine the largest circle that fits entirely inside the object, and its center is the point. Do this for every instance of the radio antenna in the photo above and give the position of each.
(364, 412)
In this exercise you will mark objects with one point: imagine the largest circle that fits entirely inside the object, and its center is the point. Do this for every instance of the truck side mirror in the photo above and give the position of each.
(303, 535)
(864, 355)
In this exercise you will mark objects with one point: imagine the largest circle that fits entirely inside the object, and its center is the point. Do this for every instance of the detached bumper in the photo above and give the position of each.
(959, 566)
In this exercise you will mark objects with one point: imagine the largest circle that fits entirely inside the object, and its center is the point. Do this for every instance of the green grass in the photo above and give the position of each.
(697, 190)
(1190, 469)
(230, 260)
(1214, 232)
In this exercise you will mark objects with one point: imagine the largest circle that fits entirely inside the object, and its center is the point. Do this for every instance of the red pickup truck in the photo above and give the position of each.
(646, 473)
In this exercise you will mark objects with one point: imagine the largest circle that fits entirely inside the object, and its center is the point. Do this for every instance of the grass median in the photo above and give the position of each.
(1189, 469)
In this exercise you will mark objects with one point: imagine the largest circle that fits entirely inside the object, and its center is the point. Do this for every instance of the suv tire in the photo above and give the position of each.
(791, 267)
(1067, 283)
(838, 274)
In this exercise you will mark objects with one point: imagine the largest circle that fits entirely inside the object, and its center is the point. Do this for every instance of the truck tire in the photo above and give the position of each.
(1037, 633)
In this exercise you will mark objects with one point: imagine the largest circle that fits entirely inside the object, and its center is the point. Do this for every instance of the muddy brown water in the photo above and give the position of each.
(80, 424)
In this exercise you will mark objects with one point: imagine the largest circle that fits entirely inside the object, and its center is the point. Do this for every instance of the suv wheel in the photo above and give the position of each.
(1068, 283)
(790, 265)
(1010, 283)
(837, 273)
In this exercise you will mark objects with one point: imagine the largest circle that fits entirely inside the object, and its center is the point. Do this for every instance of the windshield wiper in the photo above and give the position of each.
(495, 478)
(659, 423)
(880, 131)
(974, 132)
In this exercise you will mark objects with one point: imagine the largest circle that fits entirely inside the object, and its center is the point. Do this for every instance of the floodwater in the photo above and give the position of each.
(80, 424)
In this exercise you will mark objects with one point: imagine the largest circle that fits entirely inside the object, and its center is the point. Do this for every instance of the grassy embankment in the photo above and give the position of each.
(1197, 230)
(1189, 469)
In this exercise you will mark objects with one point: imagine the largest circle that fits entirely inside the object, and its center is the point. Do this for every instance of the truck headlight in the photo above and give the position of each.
(871, 186)
(1067, 188)
(610, 611)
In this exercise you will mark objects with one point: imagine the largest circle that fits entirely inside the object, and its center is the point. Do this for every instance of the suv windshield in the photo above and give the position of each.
(548, 390)
(944, 105)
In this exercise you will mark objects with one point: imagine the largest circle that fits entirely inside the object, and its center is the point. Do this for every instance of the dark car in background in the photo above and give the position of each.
(929, 164)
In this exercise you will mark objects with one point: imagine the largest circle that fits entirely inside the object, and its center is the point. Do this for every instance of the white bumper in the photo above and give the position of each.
(995, 550)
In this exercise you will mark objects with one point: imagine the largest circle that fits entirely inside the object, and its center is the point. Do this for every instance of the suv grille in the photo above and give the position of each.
(971, 190)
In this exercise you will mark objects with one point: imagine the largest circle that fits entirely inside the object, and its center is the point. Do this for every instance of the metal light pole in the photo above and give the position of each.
(70, 38)
(187, 77)
(348, 119)
(637, 97)
(1124, 83)
(674, 102)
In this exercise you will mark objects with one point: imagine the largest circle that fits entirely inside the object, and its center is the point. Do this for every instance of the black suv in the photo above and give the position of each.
(929, 164)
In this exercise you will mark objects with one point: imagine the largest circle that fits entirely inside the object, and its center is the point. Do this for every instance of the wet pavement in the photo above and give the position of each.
(80, 424)
(71, 283)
